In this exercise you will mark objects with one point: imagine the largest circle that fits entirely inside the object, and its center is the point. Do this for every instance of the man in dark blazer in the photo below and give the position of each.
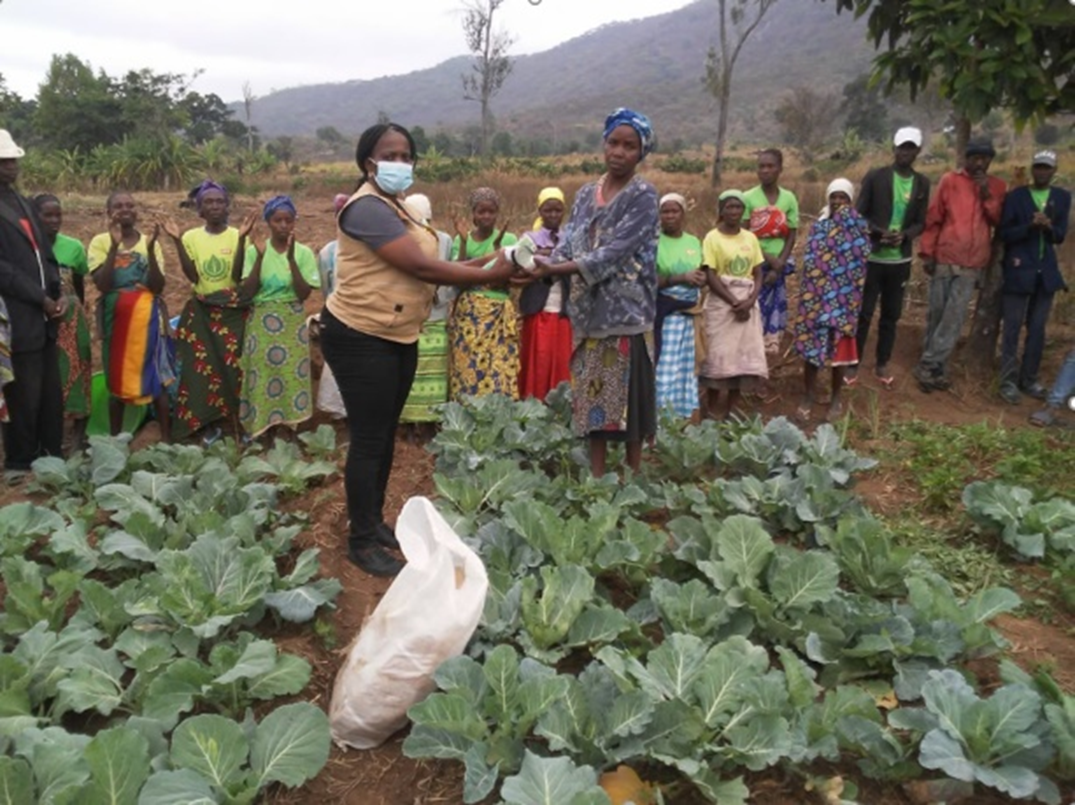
(1033, 223)
(893, 200)
(30, 287)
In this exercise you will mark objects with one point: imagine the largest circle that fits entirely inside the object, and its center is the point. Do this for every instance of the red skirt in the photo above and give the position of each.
(546, 354)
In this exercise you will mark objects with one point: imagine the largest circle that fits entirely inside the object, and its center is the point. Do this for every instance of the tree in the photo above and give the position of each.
(806, 120)
(991, 54)
(206, 117)
(865, 110)
(152, 103)
(1018, 56)
(491, 66)
(283, 148)
(248, 109)
(16, 114)
(76, 108)
(421, 139)
(445, 143)
(502, 144)
(736, 26)
(330, 136)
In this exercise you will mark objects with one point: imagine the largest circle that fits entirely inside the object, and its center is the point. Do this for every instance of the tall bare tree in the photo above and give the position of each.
(738, 20)
(491, 66)
(248, 109)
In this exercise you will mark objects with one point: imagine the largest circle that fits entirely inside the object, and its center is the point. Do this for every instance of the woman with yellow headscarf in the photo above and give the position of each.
(546, 341)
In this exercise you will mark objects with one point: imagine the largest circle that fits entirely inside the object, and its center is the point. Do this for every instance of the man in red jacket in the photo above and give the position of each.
(955, 249)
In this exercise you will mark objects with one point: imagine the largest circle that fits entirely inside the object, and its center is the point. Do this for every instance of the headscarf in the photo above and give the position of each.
(676, 197)
(727, 195)
(637, 121)
(840, 185)
(421, 207)
(205, 187)
(278, 203)
(548, 194)
(339, 201)
(484, 195)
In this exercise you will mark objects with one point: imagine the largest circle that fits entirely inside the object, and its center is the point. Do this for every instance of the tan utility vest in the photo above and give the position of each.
(372, 296)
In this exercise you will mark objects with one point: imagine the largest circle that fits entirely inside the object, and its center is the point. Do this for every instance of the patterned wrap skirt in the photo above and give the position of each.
(73, 344)
(430, 387)
(614, 393)
(484, 335)
(277, 387)
(209, 342)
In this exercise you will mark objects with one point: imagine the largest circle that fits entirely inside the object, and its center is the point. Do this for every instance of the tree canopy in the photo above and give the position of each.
(1013, 54)
(78, 108)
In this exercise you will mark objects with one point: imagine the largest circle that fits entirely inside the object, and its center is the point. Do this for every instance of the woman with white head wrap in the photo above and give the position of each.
(680, 279)
(830, 297)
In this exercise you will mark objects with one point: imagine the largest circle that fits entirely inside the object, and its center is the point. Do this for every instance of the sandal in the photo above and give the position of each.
(885, 378)
(850, 381)
(802, 414)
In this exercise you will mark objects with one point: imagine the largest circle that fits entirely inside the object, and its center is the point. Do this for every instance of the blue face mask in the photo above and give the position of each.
(394, 177)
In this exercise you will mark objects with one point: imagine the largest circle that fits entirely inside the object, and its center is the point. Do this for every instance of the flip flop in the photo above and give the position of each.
(850, 381)
(802, 414)
(887, 382)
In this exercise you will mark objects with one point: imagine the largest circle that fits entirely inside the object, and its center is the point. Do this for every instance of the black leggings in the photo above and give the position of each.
(888, 283)
(374, 376)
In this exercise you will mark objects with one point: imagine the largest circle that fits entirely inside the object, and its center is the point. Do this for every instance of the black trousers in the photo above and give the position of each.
(887, 283)
(374, 376)
(35, 407)
(1017, 310)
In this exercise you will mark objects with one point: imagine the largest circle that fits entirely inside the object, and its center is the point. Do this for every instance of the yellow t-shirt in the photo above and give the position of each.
(732, 255)
(131, 267)
(213, 255)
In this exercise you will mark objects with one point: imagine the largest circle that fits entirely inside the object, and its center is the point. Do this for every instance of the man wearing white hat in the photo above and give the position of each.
(30, 288)
(1033, 223)
(894, 200)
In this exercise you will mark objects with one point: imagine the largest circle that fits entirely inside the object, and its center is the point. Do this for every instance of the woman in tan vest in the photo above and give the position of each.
(386, 273)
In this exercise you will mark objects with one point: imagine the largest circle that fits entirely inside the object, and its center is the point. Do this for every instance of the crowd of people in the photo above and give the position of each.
(609, 293)
(238, 353)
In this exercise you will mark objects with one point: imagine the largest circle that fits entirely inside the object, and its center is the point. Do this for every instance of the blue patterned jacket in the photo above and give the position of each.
(615, 247)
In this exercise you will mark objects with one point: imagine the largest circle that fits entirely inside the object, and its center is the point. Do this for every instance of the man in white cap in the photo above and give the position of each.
(30, 287)
(1033, 224)
(894, 200)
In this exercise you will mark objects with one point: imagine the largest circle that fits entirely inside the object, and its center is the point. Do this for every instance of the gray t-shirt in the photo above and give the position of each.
(372, 221)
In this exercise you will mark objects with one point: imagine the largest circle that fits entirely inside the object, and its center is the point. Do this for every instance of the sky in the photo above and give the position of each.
(276, 45)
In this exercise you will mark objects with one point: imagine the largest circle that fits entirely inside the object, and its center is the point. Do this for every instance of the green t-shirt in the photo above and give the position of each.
(212, 255)
(771, 222)
(72, 259)
(1041, 198)
(678, 255)
(901, 197)
(276, 283)
(481, 248)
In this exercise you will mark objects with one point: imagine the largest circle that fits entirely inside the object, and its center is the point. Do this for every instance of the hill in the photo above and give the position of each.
(653, 64)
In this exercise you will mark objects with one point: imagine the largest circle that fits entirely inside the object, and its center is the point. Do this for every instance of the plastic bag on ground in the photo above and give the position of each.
(427, 616)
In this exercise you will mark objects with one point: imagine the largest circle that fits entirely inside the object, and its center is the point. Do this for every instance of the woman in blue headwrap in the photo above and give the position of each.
(211, 328)
(277, 278)
(610, 244)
